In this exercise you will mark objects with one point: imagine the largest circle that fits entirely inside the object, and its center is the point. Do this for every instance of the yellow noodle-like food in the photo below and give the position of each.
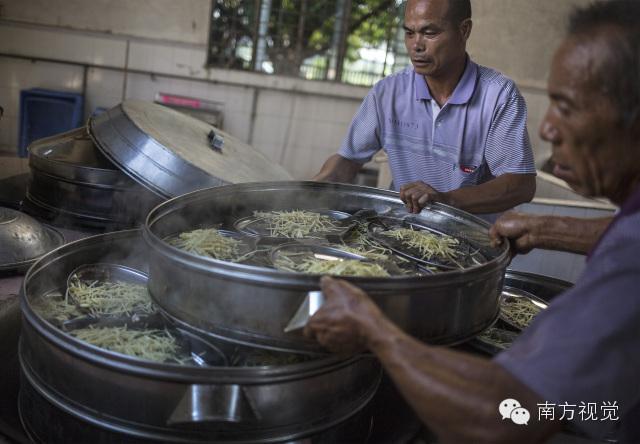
(295, 223)
(375, 254)
(346, 267)
(209, 242)
(151, 345)
(496, 337)
(519, 311)
(109, 297)
(54, 307)
(429, 245)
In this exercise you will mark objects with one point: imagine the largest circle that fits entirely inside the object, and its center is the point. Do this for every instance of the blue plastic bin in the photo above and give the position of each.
(45, 112)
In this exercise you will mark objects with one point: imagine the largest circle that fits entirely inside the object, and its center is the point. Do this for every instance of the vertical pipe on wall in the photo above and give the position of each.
(335, 40)
(263, 28)
(85, 77)
(300, 37)
(344, 33)
(254, 114)
(126, 72)
(257, 6)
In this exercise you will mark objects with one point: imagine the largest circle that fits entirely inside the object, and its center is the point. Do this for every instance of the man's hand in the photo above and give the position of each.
(522, 230)
(571, 234)
(343, 323)
(416, 195)
(338, 169)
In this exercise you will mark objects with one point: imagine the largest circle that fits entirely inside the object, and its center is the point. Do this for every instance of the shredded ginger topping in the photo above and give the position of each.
(295, 223)
(101, 298)
(209, 242)
(151, 345)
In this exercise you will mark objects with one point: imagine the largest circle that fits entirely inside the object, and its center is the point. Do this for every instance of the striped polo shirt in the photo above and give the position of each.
(479, 134)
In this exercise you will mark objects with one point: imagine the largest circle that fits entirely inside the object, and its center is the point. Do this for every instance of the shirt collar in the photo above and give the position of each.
(464, 89)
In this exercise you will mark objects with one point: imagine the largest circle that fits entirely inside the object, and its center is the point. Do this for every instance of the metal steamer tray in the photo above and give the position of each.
(252, 304)
(72, 182)
(236, 396)
(541, 289)
(465, 254)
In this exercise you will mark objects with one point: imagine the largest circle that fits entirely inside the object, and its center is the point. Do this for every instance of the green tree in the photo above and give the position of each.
(298, 29)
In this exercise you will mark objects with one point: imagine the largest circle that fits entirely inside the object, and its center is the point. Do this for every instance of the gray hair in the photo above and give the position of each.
(619, 76)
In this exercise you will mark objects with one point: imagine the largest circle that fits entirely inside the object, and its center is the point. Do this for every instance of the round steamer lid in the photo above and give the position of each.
(24, 240)
(172, 153)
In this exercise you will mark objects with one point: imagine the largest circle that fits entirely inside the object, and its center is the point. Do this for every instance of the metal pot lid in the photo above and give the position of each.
(24, 240)
(172, 153)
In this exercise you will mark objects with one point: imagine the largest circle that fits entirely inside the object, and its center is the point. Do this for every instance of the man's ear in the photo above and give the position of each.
(465, 28)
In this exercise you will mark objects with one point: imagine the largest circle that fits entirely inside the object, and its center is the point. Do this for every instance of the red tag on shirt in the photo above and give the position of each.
(467, 169)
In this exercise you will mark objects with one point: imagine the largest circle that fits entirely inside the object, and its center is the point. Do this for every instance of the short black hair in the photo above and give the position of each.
(459, 10)
(619, 74)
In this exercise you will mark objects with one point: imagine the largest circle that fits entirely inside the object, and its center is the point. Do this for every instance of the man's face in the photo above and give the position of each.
(591, 150)
(432, 40)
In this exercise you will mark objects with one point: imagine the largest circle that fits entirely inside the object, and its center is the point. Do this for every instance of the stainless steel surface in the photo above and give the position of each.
(312, 303)
(169, 152)
(107, 272)
(167, 402)
(541, 288)
(465, 254)
(512, 294)
(257, 228)
(71, 179)
(253, 304)
(318, 251)
(73, 156)
(40, 409)
(24, 240)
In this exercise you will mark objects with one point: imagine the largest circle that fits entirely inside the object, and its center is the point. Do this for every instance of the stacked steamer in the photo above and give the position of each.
(225, 393)
(222, 391)
(241, 375)
(72, 184)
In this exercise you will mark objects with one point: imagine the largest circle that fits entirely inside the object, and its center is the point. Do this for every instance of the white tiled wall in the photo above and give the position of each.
(182, 21)
(297, 123)
(17, 75)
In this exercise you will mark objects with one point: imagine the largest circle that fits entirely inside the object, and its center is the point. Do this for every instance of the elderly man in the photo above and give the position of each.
(582, 352)
(454, 132)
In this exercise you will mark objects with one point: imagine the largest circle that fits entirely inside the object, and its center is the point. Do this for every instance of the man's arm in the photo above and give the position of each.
(499, 194)
(527, 232)
(338, 169)
(455, 394)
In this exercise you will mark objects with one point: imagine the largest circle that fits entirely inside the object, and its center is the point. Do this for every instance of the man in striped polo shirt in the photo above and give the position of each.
(454, 132)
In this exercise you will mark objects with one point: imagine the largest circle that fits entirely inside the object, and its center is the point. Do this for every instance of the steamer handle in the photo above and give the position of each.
(215, 141)
(213, 404)
(311, 303)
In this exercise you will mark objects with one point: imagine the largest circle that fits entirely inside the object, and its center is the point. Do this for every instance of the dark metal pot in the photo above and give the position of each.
(544, 287)
(253, 304)
(169, 402)
(71, 180)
